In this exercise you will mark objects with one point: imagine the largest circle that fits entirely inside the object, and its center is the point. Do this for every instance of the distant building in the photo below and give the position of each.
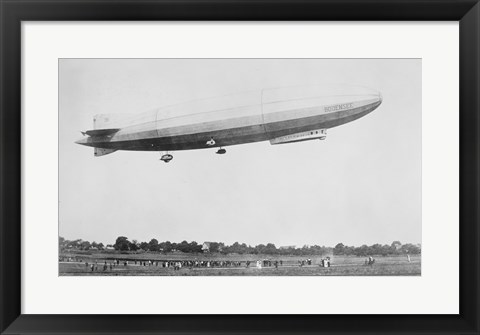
(206, 246)
(109, 247)
(397, 245)
(285, 247)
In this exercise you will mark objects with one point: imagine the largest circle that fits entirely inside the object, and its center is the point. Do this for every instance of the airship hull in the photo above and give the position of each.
(261, 116)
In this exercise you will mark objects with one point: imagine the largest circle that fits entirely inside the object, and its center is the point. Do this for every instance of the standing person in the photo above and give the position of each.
(408, 258)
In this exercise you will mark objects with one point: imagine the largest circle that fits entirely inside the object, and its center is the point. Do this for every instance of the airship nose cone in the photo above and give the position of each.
(358, 93)
(328, 93)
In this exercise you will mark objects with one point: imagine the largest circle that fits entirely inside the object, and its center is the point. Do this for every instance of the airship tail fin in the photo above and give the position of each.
(102, 152)
(100, 132)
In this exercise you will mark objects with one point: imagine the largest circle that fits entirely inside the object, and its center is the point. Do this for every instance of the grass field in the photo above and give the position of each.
(340, 265)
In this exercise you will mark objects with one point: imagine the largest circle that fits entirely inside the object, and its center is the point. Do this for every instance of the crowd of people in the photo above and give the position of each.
(370, 261)
(177, 265)
(105, 265)
(325, 262)
(304, 262)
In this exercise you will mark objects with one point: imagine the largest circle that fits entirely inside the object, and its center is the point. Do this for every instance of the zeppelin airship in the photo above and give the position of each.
(278, 115)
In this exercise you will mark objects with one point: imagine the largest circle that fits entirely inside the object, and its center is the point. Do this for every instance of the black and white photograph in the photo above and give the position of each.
(240, 167)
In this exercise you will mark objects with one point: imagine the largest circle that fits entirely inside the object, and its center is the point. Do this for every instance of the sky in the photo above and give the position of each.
(362, 185)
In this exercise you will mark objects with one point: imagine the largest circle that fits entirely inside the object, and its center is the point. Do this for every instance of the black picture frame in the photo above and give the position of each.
(13, 12)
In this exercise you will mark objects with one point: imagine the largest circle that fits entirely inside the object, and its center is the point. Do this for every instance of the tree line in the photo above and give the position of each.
(396, 248)
(123, 244)
(79, 244)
